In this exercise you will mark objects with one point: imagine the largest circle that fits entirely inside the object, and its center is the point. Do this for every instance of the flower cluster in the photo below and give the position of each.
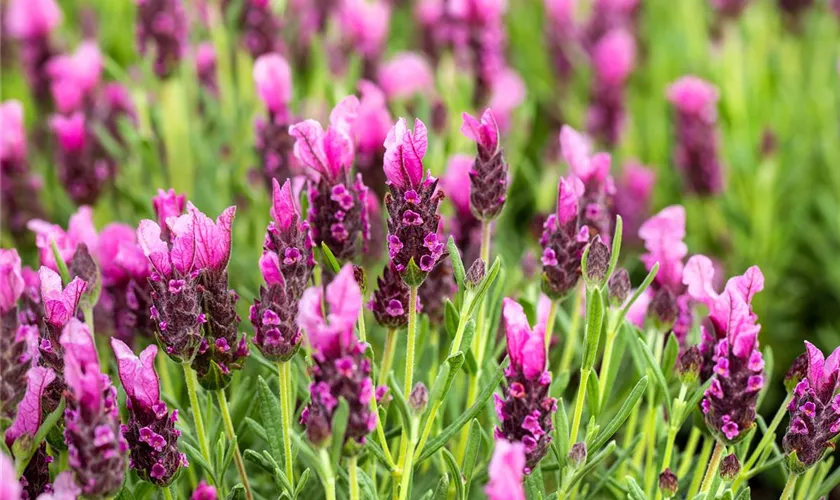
(633, 198)
(259, 27)
(18, 185)
(814, 411)
(162, 30)
(488, 176)
(730, 346)
(593, 170)
(613, 57)
(563, 241)
(150, 432)
(341, 370)
(525, 410)
(389, 302)
(273, 79)
(337, 202)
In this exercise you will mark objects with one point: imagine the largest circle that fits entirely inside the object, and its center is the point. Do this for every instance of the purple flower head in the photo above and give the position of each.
(404, 152)
(438, 286)
(340, 369)
(11, 280)
(259, 26)
(633, 197)
(697, 141)
(390, 299)
(92, 426)
(595, 206)
(150, 431)
(405, 75)
(507, 93)
(372, 122)
(506, 471)
(613, 57)
(526, 345)
(26, 19)
(563, 241)
(814, 411)
(204, 492)
(19, 202)
(75, 76)
(273, 78)
(365, 25)
(205, 67)
(18, 352)
(663, 235)
(488, 177)
(168, 204)
(327, 153)
(162, 30)
(84, 165)
(13, 142)
(455, 184)
(287, 248)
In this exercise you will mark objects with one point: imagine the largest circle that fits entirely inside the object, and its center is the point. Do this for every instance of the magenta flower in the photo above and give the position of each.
(506, 472)
(65, 488)
(525, 410)
(561, 31)
(371, 127)
(10, 489)
(389, 302)
(341, 370)
(31, 23)
(405, 75)
(273, 79)
(13, 142)
(11, 280)
(507, 93)
(204, 492)
(84, 167)
(488, 177)
(168, 204)
(697, 142)
(162, 30)
(96, 446)
(464, 226)
(613, 57)
(18, 186)
(338, 209)
(633, 197)
(80, 229)
(59, 304)
(563, 241)
(260, 28)
(205, 67)
(814, 411)
(150, 431)
(412, 204)
(75, 77)
(364, 24)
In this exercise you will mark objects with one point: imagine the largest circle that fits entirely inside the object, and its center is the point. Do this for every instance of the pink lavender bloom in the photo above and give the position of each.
(341, 370)
(168, 204)
(162, 31)
(405, 75)
(506, 472)
(80, 230)
(814, 411)
(75, 77)
(613, 57)
(31, 23)
(563, 241)
(412, 203)
(371, 127)
(10, 488)
(697, 140)
(561, 31)
(96, 446)
(65, 488)
(150, 431)
(337, 202)
(205, 67)
(489, 173)
(364, 24)
(18, 186)
(11, 280)
(507, 93)
(389, 302)
(633, 197)
(273, 78)
(525, 409)
(608, 15)
(204, 492)
(730, 349)
(259, 27)
(286, 266)
(465, 227)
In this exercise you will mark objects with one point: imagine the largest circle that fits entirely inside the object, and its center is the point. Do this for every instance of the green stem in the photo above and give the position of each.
(407, 440)
(705, 453)
(362, 329)
(388, 356)
(688, 453)
(407, 467)
(571, 338)
(328, 477)
(767, 438)
(603, 376)
(201, 435)
(231, 434)
(549, 325)
(166, 493)
(712, 469)
(584, 378)
(354, 479)
(789, 487)
(284, 374)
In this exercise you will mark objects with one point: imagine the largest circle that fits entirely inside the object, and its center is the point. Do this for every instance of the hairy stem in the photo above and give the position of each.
(584, 378)
(789, 487)
(284, 373)
(201, 435)
(354, 478)
(712, 469)
(571, 338)
(231, 433)
(167, 494)
(327, 477)
(387, 356)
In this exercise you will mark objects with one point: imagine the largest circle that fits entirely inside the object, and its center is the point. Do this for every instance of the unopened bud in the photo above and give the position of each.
(361, 278)
(796, 372)
(419, 398)
(668, 483)
(664, 309)
(730, 467)
(619, 286)
(597, 261)
(475, 274)
(83, 266)
(577, 455)
(688, 365)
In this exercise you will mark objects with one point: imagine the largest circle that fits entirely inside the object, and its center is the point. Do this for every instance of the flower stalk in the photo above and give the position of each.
(284, 374)
(231, 435)
(200, 434)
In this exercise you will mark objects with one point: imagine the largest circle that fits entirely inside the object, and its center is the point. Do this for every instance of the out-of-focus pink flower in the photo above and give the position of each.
(526, 345)
(10, 487)
(204, 492)
(327, 153)
(638, 311)
(506, 94)
(478, 11)
(29, 414)
(663, 235)
(561, 12)
(168, 204)
(365, 23)
(11, 280)
(64, 488)
(632, 196)
(74, 76)
(70, 131)
(119, 256)
(373, 120)
(577, 151)
(456, 182)
(273, 78)
(344, 298)
(404, 152)
(32, 18)
(569, 192)
(13, 136)
(614, 56)
(80, 229)
(506, 472)
(694, 96)
(59, 304)
(405, 75)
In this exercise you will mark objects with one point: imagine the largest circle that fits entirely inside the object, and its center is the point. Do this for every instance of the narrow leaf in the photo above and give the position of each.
(339, 428)
(623, 413)
(457, 263)
(653, 366)
(636, 492)
(471, 455)
(329, 258)
(669, 356)
(452, 466)
(442, 489)
(272, 422)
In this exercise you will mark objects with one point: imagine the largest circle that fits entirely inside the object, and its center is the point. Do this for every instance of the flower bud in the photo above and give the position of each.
(577, 455)
(688, 365)
(476, 272)
(360, 277)
(730, 467)
(418, 398)
(83, 266)
(668, 483)
(597, 262)
(663, 308)
(797, 371)
(619, 286)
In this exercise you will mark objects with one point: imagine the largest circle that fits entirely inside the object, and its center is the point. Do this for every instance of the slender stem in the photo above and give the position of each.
(166, 493)
(688, 453)
(388, 356)
(629, 435)
(549, 325)
(231, 434)
(807, 478)
(362, 329)
(328, 477)
(584, 378)
(407, 468)
(571, 338)
(712, 469)
(201, 435)
(789, 487)
(705, 453)
(650, 436)
(410, 341)
(284, 373)
(380, 432)
(767, 438)
(354, 478)
(603, 376)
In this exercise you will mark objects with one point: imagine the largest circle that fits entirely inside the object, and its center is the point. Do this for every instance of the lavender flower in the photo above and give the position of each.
(697, 141)
(286, 266)
(486, 42)
(405, 75)
(389, 302)
(96, 446)
(438, 286)
(31, 24)
(412, 201)
(464, 225)
(20, 201)
(613, 57)
(259, 27)
(488, 176)
(168, 204)
(150, 432)
(364, 28)
(204, 492)
(563, 241)
(594, 172)
(738, 372)
(561, 32)
(162, 29)
(80, 230)
(814, 412)
(82, 171)
(633, 197)
(273, 79)
(371, 127)
(525, 409)
(506, 471)
(75, 77)
(205, 67)
(10, 489)
(341, 370)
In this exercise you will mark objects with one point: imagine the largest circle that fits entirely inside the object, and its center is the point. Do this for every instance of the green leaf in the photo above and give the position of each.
(401, 404)
(635, 492)
(532, 490)
(446, 434)
(339, 429)
(368, 490)
(452, 465)
(237, 492)
(694, 400)
(669, 356)
(124, 494)
(616, 245)
(228, 455)
(638, 293)
(745, 494)
(329, 258)
(270, 413)
(195, 457)
(259, 460)
(471, 455)
(561, 432)
(445, 377)
(457, 263)
(466, 344)
(618, 420)
(304, 478)
(594, 319)
(60, 263)
(450, 319)
(442, 489)
(478, 294)
(258, 429)
(653, 367)
(592, 394)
